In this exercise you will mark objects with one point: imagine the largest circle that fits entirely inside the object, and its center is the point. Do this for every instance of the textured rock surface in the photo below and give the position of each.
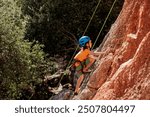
(123, 72)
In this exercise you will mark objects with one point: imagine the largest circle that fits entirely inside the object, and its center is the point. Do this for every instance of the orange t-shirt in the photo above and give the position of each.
(82, 55)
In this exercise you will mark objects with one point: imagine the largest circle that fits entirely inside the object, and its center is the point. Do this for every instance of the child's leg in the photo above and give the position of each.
(79, 81)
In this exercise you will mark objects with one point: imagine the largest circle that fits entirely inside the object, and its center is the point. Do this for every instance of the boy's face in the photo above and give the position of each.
(90, 44)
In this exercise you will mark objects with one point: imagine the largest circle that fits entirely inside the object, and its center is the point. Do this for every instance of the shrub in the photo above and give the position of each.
(22, 63)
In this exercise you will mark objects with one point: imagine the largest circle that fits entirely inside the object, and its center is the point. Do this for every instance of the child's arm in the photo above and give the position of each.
(96, 53)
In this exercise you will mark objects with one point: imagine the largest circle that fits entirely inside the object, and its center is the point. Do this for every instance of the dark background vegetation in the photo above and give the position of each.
(35, 33)
(58, 24)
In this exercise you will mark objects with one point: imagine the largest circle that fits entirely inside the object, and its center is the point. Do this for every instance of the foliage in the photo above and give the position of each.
(27, 27)
(59, 23)
(22, 63)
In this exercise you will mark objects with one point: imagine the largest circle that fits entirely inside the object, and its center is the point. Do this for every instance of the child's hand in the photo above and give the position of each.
(86, 70)
(91, 53)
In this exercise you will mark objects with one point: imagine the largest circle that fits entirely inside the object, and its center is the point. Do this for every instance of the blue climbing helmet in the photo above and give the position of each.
(83, 40)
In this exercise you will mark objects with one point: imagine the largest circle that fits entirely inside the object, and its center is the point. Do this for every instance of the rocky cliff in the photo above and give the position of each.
(123, 72)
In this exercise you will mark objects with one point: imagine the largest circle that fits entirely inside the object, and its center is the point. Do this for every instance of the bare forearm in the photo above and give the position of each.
(98, 53)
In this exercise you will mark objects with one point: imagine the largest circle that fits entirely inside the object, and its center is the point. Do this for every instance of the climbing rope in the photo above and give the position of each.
(86, 80)
(92, 17)
(104, 23)
(85, 32)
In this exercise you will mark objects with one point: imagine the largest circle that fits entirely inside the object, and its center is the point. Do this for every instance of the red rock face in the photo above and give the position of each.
(123, 72)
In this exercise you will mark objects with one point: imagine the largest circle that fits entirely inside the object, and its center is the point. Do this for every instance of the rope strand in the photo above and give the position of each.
(92, 16)
(86, 30)
(104, 23)
(101, 31)
(83, 34)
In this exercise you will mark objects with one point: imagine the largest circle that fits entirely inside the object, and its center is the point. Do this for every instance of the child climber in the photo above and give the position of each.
(83, 60)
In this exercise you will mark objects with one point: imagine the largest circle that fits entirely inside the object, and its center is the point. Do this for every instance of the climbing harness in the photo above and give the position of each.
(80, 67)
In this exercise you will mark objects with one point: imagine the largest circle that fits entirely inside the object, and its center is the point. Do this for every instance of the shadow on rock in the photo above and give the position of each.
(65, 94)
